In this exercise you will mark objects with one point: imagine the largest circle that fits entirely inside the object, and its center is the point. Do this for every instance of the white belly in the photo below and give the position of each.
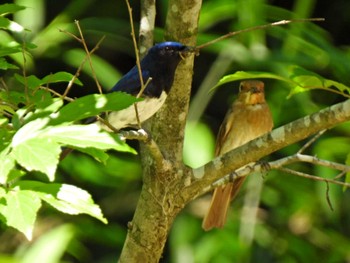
(127, 117)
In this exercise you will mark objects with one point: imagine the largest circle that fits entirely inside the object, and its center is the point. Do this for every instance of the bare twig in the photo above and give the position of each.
(89, 57)
(138, 64)
(278, 165)
(313, 139)
(77, 73)
(56, 93)
(328, 198)
(278, 23)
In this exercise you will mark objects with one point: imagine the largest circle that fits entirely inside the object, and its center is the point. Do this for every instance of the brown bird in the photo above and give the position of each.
(248, 118)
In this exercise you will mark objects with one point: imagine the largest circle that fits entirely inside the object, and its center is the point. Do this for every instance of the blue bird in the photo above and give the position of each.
(159, 64)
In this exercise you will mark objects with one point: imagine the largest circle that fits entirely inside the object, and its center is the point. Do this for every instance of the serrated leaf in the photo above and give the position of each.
(61, 77)
(10, 8)
(20, 210)
(84, 136)
(92, 105)
(39, 154)
(68, 199)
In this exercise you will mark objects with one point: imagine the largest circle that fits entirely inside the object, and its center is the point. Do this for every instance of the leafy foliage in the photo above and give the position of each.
(35, 127)
(294, 224)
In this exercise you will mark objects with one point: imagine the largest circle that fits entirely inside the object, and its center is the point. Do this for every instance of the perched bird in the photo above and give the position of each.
(159, 64)
(248, 118)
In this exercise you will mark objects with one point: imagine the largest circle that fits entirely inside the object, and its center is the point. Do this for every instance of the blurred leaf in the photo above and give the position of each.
(92, 105)
(105, 72)
(20, 210)
(4, 65)
(50, 247)
(6, 23)
(199, 144)
(5, 51)
(10, 8)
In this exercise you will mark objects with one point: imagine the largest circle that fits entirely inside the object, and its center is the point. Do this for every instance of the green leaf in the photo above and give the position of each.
(61, 77)
(4, 65)
(66, 198)
(30, 81)
(92, 105)
(240, 75)
(20, 210)
(5, 51)
(39, 154)
(84, 136)
(29, 131)
(7, 163)
(10, 8)
(299, 79)
(7, 24)
(33, 81)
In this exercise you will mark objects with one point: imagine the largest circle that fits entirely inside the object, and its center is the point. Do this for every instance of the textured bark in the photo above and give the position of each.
(159, 203)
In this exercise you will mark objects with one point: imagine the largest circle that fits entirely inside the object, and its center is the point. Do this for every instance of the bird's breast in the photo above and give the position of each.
(127, 117)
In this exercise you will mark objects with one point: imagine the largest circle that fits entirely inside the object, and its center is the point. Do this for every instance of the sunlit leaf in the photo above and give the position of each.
(20, 210)
(39, 154)
(84, 136)
(6, 23)
(93, 105)
(7, 163)
(66, 198)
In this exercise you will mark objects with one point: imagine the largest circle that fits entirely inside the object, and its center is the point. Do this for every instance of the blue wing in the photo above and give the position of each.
(130, 82)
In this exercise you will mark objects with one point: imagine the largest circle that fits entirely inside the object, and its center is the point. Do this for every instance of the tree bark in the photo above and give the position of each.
(159, 204)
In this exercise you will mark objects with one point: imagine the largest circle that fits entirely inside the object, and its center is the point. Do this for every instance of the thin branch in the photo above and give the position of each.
(313, 177)
(56, 93)
(278, 23)
(313, 139)
(89, 57)
(77, 73)
(138, 63)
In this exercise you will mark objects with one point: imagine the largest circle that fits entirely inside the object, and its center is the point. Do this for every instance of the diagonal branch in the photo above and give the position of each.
(202, 177)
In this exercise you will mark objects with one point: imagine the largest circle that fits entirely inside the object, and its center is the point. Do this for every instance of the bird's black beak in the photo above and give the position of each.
(187, 51)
